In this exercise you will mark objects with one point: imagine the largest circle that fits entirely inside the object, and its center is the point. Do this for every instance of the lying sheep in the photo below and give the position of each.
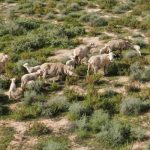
(100, 61)
(56, 69)
(119, 45)
(3, 61)
(82, 52)
(28, 77)
(31, 69)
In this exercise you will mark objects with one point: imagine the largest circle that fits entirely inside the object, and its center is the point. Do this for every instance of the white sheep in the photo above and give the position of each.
(31, 69)
(119, 45)
(100, 61)
(56, 69)
(3, 61)
(81, 52)
(71, 62)
(28, 77)
(12, 88)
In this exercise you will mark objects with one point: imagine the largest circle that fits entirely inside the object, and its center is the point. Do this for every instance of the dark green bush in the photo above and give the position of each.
(77, 110)
(4, 110)
(107, 4)
(55, 106)
(38, 129)
(24, 112)
(99, 121)
(118, 68)
(32, 97)
(133, 106)
(71, 95)
(94, 20)
(117, 134)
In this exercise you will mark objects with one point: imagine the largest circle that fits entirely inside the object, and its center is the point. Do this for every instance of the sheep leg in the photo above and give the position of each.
(88, 71)
(95, 70)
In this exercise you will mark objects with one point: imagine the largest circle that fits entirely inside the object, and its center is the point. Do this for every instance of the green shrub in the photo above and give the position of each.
(94, 20)
(53, 143)
(4, 110)
(54, 87)
(55, 106)
(36, 86)
(140, 41)
(24, 112)
(107, 4)
(38, 129)
(4, 83)
(133, 106)
(7, 135)
(81, 70)
(3, 98)
(82, 127)
(118, 68)
(99, 120)
(77, 110)
(116, 135)
(28, 24)
(72, 95)
(32, 97)
(110, 104)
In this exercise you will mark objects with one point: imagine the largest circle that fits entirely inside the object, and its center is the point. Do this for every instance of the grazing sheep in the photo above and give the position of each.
(71, 62)
(119, 45)
(56, 69)
(28, 77)
(100, 61)
(31, 69)
(82, 52)
(3, 63)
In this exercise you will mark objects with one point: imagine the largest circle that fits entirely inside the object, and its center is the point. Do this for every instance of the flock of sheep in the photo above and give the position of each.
(96, 62)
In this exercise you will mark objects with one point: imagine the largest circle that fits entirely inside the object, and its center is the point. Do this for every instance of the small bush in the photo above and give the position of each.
(3, 98)
(77, 110)
(55, 106)
(118, 68)
(99, 120)
(107, 4)
(72, 95)
(133, 106)
(94, 20)
(53, 143)
(4, 110)
(82, 127)
(32, 97)
(117, 134)
(81, 70)
(7, 135)
(38, 129)
(140, 41)
(27, 112)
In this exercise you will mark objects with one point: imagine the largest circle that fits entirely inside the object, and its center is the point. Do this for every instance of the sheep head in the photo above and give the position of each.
(25, 65)
(13, 79)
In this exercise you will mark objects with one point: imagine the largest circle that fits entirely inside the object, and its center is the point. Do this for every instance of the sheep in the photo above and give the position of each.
(31, 69)
(82, 52)
(56, 69)
(71, 62)
(28, 77)
(3, 61)
(119, 45)
(12, 88)
(14, 92)
(100, 61)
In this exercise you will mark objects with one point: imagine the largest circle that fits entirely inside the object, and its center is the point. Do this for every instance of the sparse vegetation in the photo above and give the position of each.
(92, 111)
